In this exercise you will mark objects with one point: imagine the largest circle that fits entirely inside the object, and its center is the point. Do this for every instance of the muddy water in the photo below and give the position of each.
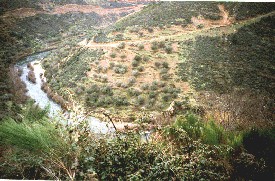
(41, 98)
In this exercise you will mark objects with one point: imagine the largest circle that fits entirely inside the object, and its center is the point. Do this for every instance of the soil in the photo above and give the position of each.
(27, 12)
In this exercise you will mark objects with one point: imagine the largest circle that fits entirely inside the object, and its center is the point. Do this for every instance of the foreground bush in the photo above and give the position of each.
(36, 148)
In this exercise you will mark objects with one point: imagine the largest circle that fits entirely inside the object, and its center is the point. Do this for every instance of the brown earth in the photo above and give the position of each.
(26, 12)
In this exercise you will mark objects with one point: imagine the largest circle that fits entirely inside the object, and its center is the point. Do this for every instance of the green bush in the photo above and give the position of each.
(133, 92)
(123, 56)
(138, 58)
(121, 45)
(132, 80)
(150, 30)
(135, 73)
(212, 133)
(165, 65)
(34, 143)
(120, 101)
(135, 63)
(168, 49)
(140, 100)
(119, 37)
(106, 90)
(120, 69)
(113, 55)
(141, 68)
(154, 46)
(157, 64)
(141, 47)
(145, 58)
(145, 86)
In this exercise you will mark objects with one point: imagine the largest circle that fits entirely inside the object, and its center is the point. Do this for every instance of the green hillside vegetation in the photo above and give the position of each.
(229, 68)
(6, 5)
(180, 13)
(167, 13)
(243, 59)
(204, 92)
(40, 148)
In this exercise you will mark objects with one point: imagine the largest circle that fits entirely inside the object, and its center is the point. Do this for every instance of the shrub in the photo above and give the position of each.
(118, 84)
(165, 65)
(106, 90)
(150, 30)
(31, 77)
(113, 55)
(120, 69)
(29, 66)
(93, 88)
(133, 92)
(123, 56)
(141, 47)
(165, 97)
(191, 124)
(141, 68)
(135, 63)
(168, 49)
(154, 46)
(145, 86)
(157, 64)
(152, 94)
(132, 80)
(135, 73)
(119, 37)
(161, 44)
(151, 102)
(35, 144)
(124, 85)
(121, 45)
(112, 64)
(120, 101)
(140, 100)
(164, 77)
(212, 133)
(200, 26)
(154, 86)
(137, 58)
(163, 71)
(145, 58)
(134, 29)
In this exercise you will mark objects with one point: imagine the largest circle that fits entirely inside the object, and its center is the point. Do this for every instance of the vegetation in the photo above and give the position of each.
(221, 63)
(180, 13)
(185, 151)
(205, 113)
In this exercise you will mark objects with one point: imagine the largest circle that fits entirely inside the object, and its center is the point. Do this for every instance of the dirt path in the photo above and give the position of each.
(226, 25)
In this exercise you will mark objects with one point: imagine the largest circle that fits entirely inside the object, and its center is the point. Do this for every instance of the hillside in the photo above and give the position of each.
(32, 28)
(181, 13)
(112, 90)
(148, 68)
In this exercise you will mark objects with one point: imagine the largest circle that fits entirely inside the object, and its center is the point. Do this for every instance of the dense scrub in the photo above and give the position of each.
(14, 4)
(191, 149)
(234, 67)
(243, 10)
(74, 65)
(167, 13)
(242, 59)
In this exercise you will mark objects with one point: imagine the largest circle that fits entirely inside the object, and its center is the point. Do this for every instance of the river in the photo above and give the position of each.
(41, 99)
